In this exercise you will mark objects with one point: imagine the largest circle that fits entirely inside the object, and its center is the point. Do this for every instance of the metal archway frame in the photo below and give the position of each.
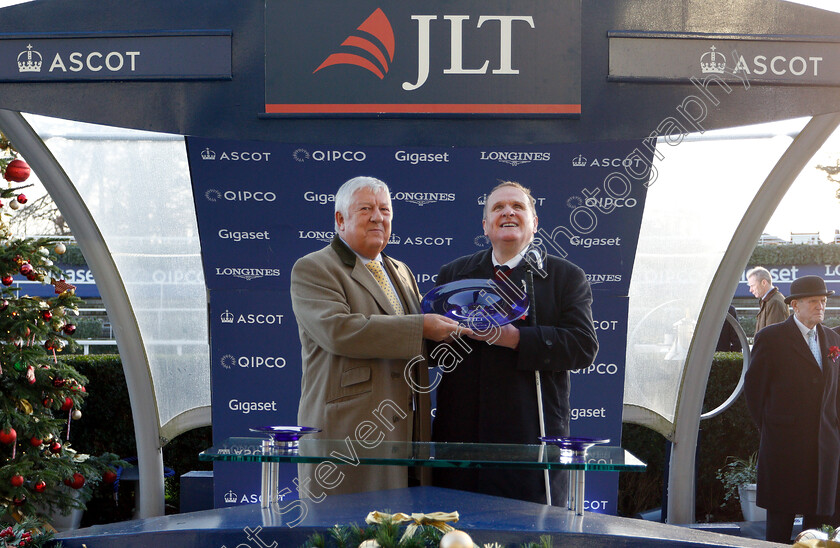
(736, 393)
(108, 280)
(681, 487)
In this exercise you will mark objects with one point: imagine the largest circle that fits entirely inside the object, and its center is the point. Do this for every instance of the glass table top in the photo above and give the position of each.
(443, 455)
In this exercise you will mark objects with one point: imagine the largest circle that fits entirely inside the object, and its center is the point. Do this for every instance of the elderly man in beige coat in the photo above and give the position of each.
(359, 320)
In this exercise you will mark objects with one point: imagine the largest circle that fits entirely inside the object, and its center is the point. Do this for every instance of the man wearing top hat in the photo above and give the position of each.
(791, 391)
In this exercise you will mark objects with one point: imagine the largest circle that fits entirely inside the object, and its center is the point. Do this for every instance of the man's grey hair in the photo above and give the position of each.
(760, 273)
(345, 194)
(532, 202)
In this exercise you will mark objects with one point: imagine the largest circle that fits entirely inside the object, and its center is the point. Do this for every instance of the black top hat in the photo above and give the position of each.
(807, 286)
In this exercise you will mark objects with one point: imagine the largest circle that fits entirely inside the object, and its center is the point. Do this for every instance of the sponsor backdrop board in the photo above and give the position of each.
(261, 206)
(783, 275)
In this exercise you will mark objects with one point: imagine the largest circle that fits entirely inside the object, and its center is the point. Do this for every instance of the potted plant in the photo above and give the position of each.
(739, 476)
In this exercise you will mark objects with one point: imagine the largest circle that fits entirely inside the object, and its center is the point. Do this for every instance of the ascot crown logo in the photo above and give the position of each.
(378, 26)
(227, 317)
(230, 497)
(208, 154)
(579, 161)
(29, 60)
(713, 62)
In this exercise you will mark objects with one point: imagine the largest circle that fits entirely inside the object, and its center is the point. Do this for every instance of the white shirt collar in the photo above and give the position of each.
(804, 329)
(365, 260)
(514, 262)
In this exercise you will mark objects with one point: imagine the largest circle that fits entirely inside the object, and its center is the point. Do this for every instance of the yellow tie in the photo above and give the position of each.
(379, 275)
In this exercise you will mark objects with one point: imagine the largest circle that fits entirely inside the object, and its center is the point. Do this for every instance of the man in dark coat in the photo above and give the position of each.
(491, 396)
(728, 340)
(791, 391)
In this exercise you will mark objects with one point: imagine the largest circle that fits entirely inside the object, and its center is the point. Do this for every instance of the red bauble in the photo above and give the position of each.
(4, 304)
(69, 329)
(76, 482)
(7, 280)
(17, 480)
(55, 447)
(32, 276)
(19, 502)
(47, 315)
(25, 268)
(22, 199)
(47, 402)
(58, 382)
(35, 441)
(67, 405)
(8, 436)
(109, 476)
(40, 487)
(17, 171)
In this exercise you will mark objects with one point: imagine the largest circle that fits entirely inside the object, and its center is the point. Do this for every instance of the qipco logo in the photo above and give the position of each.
(339, 156)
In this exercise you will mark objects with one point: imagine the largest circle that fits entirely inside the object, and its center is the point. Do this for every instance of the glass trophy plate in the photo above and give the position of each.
(285, 436)
(477, 304)
(576, 445)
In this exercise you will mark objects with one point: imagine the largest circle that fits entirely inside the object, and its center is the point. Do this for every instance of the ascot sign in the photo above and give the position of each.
(404, 57)
(759, 59)
(62, 57)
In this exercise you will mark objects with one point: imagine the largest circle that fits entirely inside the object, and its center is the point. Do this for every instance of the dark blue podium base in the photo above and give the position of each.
(487, 519)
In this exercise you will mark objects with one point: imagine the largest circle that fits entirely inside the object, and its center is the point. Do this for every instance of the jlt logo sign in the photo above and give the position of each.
(456, 50)
(472, 57)
(379, 26)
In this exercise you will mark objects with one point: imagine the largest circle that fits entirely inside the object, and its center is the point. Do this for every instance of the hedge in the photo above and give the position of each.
(107, 425)
(765, 255)
(730, 433)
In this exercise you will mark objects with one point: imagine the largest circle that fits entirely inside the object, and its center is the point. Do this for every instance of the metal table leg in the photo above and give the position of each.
(270, 475)
(579, 481)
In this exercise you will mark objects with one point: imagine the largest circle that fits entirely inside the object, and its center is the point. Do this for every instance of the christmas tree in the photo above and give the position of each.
(40, 396)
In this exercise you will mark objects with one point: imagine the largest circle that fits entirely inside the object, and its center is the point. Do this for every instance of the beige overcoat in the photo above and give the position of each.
(354, 351)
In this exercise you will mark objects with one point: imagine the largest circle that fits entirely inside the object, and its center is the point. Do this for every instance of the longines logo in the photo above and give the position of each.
(323, 236)
(214, 195)
(602, 278)
(423, 198)
(263, 319)
(515, 158)
(236, 156)
(248, 273)
(302, 155)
